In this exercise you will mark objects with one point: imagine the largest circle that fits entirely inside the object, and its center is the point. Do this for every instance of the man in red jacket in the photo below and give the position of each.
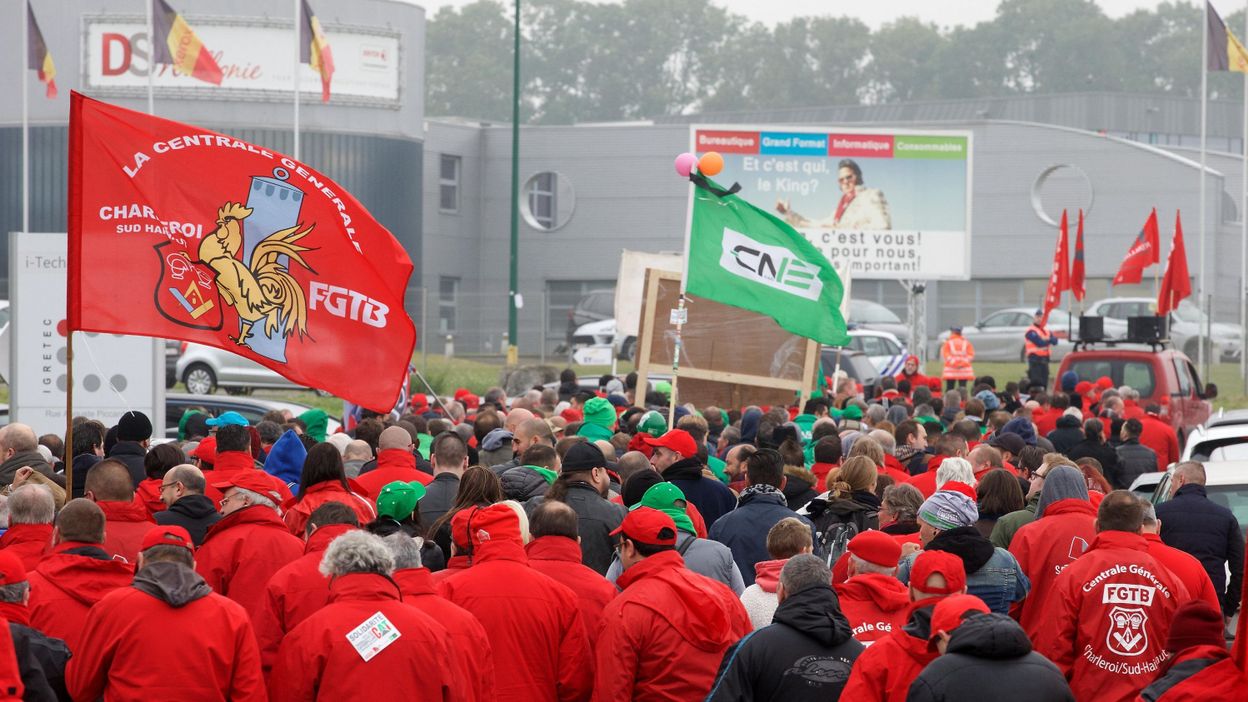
(556, 551)
(29, 536)
(250, 543)
(470, 647)
(1064, 526)
(395, 461)
(233, 455)
(541, 652)
(75, 575)
(884, 672)
(1200, 668)
(1183, 565)
(127, 521)
(366, 643)
(873, 599)
(168, 636)
(1160, 437)
(664, 637)
(1107, 613)
(297, 589)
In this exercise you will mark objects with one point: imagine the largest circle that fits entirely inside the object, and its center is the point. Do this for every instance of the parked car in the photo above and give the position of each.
(1186, 324)
(1223, 438)
(1226, 483)
(253, 408)
(5, 315)
(595, 306)
(856, 365)
(1165, 377)
(864, 314)
(882, 348)
(999, 336)
(203, 369)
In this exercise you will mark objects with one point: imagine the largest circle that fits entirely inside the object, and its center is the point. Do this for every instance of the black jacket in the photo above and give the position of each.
(523, 484)
(1134, 460)
(1193, 523)
(806, 654)
(132, 454)
(597, 517)
(41, 661)
(195, 513)
(82, 463)
(1103, 452)
(439, 498)
(990, 658)
(712, 498)
(1067, 435)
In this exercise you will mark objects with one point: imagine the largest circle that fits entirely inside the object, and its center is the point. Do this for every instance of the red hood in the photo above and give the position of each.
(934, 462)
(1071, 505)
(396, 458)
(415, 581)
(363, 587)
(124, 511)
(231, 462)
(684, 599)
(887, 592)
(767, 574)
(84, 578)
(319, 540)
(554, 548)
(148, 494)
(23, 533)
(258, 515)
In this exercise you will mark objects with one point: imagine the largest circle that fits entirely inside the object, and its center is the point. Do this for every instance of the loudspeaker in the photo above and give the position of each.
(1146, 329)
(1091, 328)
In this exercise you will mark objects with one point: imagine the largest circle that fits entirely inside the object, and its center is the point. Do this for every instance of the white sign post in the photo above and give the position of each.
(112, 374)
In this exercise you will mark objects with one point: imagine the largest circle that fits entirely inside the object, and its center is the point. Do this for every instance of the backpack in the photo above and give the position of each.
(834, 541)
(835, 528)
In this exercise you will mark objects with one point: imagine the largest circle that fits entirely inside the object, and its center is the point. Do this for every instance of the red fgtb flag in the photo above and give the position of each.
(175, 42)
(1176, 283)
(1059, 280)
(314, 48)
(1076, 269)
(1143, 253)
(38, 58)
(182, 233)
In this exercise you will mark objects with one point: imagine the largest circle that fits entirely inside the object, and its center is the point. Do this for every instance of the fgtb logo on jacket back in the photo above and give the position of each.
(1127, 634)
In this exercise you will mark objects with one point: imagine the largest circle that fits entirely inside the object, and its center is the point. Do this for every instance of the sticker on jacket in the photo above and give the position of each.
(373, 636)
(1127, 633)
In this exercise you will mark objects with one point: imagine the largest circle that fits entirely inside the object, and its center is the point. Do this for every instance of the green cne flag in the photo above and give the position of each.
(742, 256)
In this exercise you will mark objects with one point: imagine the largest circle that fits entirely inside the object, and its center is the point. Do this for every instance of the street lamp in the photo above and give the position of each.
(513, 288)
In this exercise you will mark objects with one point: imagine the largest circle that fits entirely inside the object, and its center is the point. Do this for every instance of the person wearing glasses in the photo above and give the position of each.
(860, 207)
(182, 490)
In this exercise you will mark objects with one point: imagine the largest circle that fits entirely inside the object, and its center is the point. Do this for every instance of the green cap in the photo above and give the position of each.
(852, 412)
(599, 412)
(398, 499)
(663, 497)
(653, 424)
(664, 387)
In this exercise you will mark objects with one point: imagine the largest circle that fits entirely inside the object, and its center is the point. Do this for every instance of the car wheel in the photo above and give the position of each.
(239, 391)
(200, 380)
(628, 350)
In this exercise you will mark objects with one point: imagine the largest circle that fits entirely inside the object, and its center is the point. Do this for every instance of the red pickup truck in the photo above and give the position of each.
(1166, 378)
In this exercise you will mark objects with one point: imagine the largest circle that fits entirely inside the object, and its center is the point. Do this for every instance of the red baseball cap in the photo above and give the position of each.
(943, 563)
(877, 548)
(497, 522)
(677, 440)
(949, 613)
(250, 479)
(646, 525)
(207, 450)
(166, 536)
(11, 569)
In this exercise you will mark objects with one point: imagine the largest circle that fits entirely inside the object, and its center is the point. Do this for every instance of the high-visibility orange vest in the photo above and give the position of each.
(957, 353)
(1031, 349)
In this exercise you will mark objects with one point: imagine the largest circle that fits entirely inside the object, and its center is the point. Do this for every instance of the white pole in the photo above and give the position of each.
(1243, 241)
(1204, 115)
(25, 118)
(298, 16)
(151, 59)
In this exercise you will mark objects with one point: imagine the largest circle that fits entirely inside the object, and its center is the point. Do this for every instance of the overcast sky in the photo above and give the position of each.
(873, 12)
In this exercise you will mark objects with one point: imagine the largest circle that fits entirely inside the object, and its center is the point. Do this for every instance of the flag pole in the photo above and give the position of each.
(1243, 241)
(25, 117)
(295, 79)
(151, 60)
(681, 313)
(1204, 118)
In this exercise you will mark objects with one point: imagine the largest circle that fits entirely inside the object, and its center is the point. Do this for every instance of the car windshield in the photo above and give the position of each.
(1232, 497)
(1137, 374)
(1188, 312)
(871, 313)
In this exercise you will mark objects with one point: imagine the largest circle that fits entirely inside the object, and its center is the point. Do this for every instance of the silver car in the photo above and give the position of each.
(864, 314)
(999, 336)
(1187, 323)
(203, 369)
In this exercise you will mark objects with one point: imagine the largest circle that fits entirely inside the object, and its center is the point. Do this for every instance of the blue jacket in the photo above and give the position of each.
(744, 530)
(1193, 523)
(712, 498)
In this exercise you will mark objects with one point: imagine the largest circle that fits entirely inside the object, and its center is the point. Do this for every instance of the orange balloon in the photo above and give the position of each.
(710, 164)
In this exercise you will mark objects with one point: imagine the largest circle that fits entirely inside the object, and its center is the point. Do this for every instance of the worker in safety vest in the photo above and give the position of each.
(957, 353)
(1037, 345)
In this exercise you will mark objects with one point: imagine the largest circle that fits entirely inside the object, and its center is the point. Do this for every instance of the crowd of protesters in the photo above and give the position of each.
(569, 544)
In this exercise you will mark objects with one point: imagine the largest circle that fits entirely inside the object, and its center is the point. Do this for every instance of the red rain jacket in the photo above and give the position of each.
(470, 645)
(1046, 546)
(560, 558)
(242, 551)
(137, 648)
(1107, 616)
(926, 481)
(1186, 568)
(29, 542)
(1162, 439)
(295, 592)
(66, 585)
(318, 662)
(454, 564)
(541, 652)
(298, 510)
(392, 464)
(1198, 674)
(874, 604)
(664, 636)
(147, 493)
(234, 461)
(886, 669)
(125, 525)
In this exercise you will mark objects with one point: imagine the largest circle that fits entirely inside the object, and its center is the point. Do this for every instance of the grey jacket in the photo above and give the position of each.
(1134, 460)
(702, 556)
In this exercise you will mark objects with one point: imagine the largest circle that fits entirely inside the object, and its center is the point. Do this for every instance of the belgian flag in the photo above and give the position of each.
(175, 43)
(314, 49)
(1225, 51)
(38, 58)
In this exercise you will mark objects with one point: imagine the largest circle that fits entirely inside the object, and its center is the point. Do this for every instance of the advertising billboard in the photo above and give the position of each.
(256, 56)
(890, 204)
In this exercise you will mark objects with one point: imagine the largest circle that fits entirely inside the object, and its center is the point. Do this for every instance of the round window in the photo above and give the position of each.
(548, 201)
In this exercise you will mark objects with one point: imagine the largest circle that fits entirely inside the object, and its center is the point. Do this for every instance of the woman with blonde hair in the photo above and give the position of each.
(850, 497)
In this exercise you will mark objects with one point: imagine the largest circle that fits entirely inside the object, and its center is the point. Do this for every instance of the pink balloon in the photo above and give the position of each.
(685, 163)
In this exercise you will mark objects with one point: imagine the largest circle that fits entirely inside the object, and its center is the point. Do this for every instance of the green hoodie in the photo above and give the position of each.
(663, 497)
(599, 420)
(317, 422)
